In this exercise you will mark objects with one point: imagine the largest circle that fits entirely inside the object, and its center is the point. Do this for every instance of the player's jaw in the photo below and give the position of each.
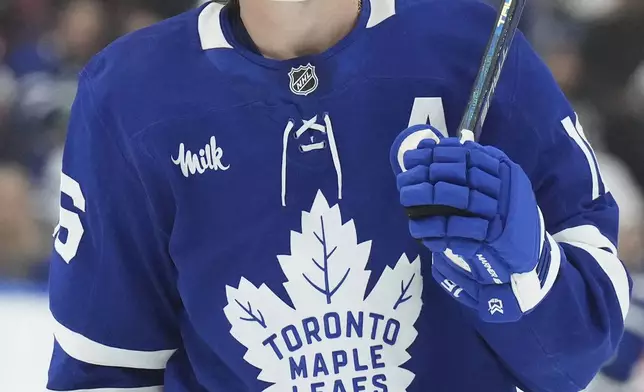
(284, 29)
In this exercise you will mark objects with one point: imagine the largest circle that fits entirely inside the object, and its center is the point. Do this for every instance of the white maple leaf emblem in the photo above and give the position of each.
(333, 338)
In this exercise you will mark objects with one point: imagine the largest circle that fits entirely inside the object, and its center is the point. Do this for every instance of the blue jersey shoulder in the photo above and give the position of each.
(156, 73)
(435, 35)
(445, 41)
(441, 43)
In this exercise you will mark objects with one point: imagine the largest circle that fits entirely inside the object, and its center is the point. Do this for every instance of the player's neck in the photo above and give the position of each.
(284, 30)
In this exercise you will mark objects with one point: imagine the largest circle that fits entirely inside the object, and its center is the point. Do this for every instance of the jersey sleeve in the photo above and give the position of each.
(578, 320)
(112, 292)
(619, 371)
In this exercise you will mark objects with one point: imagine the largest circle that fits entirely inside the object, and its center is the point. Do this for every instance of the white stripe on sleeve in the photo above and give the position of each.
(143, 389)
(591, 240)
(85, 350)
(576, 135)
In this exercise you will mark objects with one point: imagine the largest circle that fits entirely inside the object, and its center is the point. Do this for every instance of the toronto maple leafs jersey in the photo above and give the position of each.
(231, 223)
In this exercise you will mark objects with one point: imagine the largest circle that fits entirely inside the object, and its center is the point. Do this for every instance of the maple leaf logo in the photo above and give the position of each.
(333, 338)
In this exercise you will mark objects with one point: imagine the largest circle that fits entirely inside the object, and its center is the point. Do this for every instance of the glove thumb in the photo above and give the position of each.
(410, 139)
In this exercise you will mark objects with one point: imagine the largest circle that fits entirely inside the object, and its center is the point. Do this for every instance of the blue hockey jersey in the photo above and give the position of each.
(231, 223)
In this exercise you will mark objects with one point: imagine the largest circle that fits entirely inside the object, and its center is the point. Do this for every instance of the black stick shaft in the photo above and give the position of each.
(486, 80)
(490, 70)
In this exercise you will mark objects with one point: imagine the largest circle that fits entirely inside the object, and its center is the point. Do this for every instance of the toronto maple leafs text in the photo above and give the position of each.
(332, 333)
(313, 330)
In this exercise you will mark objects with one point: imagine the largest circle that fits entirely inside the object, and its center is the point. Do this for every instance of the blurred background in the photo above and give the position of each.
(595, 49)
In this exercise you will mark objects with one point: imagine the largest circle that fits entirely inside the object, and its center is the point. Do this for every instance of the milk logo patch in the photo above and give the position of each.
(335, 338)
(303, 80)
(208, 158)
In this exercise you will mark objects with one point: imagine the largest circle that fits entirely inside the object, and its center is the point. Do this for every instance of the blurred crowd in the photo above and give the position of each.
(43, 45)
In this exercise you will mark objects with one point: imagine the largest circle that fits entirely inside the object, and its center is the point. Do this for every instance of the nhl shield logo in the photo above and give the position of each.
(303, 80)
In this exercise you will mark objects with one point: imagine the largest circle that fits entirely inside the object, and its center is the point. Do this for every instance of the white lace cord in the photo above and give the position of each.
(335, 155)
(311, 124)
(314, 126)
(287, 132)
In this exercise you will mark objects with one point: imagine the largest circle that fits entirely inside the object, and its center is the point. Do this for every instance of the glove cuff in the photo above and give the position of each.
(531, 288)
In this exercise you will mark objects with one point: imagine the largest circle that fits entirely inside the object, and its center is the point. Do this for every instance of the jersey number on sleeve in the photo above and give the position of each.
(576, 133)
(69, 220)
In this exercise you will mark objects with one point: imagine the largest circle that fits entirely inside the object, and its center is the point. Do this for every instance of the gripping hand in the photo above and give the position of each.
(489, 246)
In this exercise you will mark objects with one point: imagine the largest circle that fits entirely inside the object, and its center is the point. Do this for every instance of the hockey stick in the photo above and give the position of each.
(487, 78)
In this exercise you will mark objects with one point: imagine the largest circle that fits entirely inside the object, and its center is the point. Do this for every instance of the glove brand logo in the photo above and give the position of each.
(209, 157)
(495, 306)
(490, 270)
(335, 337)
(303, 79)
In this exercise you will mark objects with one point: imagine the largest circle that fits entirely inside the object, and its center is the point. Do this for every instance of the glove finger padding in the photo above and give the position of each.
(470, 228)
(486, 255)
(433, 227)
(452, 195)
(480, 158)
(453, 172)
(419, 157)
(414, 176)
(417, 194)
(484, 182)
(483, 205)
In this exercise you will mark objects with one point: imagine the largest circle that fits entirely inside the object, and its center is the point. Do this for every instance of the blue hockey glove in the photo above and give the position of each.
(492, 253)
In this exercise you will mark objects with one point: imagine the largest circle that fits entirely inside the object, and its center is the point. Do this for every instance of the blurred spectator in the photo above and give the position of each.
(43, 46)
(139, 18)
(80, 32)
(20, 240)
(622, 185)
(10, 144)
(612, 53)
(594, 50)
